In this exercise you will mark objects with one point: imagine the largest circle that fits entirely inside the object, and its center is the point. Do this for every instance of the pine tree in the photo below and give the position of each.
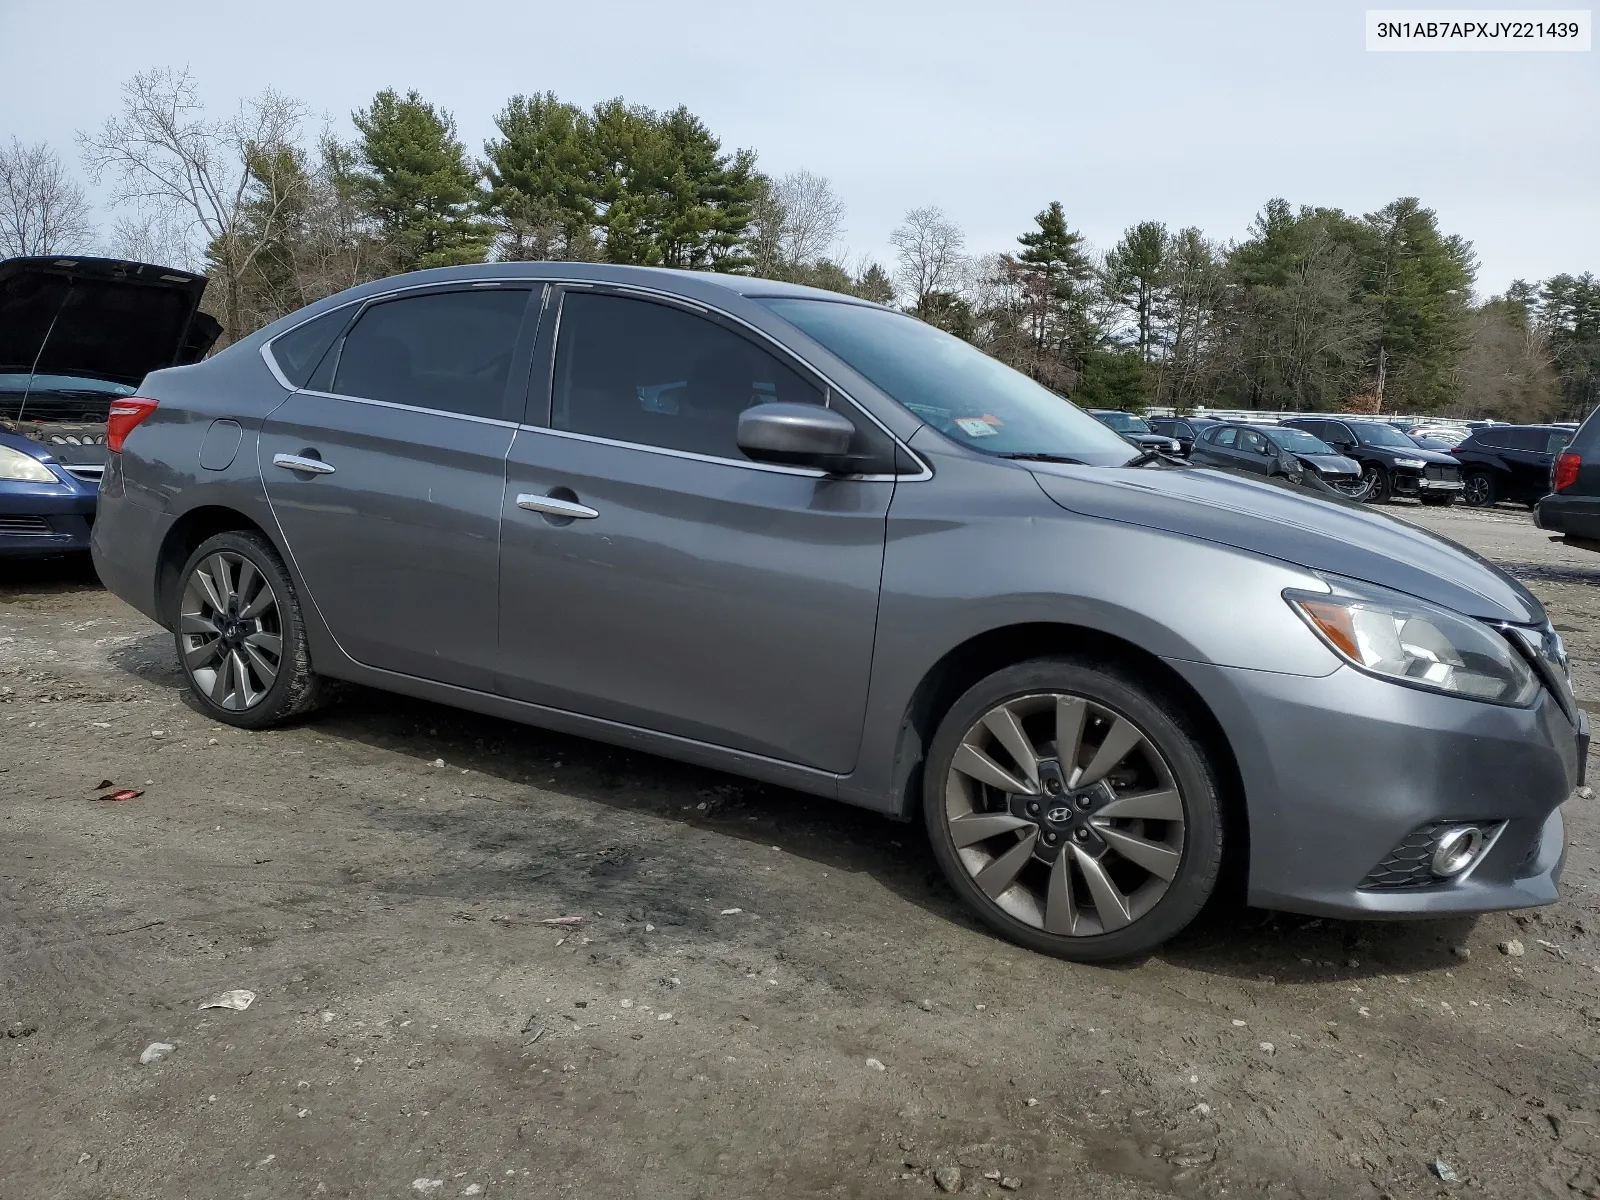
(1057, 273)
(542, 172)
(1135, 277)
(417, 183)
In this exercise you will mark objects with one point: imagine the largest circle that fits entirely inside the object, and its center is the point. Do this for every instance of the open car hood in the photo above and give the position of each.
(100, 318)
(1286, 523)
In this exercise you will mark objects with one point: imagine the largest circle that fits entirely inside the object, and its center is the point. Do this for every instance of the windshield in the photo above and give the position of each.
(57, 397)
(1300, 442)
(963, 393)
(1123, 422)
(1381, 435)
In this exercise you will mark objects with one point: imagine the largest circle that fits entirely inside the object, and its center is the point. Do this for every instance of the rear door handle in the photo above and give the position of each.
(293, 462)
(554, 506)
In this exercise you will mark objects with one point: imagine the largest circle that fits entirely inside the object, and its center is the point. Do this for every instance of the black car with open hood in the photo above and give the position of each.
(76, 333)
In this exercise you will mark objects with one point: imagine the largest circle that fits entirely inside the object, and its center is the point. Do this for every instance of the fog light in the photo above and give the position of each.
(1455, 849)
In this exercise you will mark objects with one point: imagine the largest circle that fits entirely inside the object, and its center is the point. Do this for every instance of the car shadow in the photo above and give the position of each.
(1229, 938)
(55, 573)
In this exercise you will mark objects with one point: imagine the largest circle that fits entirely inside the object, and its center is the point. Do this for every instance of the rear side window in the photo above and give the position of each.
(1226, 437)
(654, 375)
(298, 352)
(1495, 439)
(1556, 442)
(449, 351)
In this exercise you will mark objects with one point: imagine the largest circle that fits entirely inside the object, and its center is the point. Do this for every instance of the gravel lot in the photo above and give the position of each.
(766, 994)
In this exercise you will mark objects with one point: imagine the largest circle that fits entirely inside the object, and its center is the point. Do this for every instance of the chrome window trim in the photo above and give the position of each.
(747, 464)
(550, 282)
(416, 408)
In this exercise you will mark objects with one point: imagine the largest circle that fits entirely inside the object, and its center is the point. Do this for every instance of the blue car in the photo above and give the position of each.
(77, 335)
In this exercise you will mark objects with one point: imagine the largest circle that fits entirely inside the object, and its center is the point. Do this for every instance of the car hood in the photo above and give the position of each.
(1338, 464)
(100, 318)
(1285, 523)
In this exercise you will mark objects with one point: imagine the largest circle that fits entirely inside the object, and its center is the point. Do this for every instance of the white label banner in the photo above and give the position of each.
(1479, 30)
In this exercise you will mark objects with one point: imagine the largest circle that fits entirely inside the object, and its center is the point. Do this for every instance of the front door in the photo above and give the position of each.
(388, 486)
(652, 575)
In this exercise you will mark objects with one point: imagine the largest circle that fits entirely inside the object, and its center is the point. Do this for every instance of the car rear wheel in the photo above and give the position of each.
(240, 637)
(1478, 490)
(1074, 809)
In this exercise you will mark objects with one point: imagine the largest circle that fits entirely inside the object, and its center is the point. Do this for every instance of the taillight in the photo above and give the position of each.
(125, 414)
(1567, 471)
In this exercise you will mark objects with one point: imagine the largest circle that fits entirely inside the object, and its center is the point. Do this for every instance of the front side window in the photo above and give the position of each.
(1252, 442)
(974, 400)
(654, 375)
(446, 350)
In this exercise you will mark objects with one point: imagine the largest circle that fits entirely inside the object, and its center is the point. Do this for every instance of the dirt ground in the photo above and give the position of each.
(767, 995)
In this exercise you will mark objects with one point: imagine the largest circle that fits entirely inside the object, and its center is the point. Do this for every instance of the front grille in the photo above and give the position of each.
(1442, 472)
(33, 525)
(86, 473)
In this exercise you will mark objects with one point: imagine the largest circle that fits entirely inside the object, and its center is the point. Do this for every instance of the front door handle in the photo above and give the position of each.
(294, 462)
(554, 506)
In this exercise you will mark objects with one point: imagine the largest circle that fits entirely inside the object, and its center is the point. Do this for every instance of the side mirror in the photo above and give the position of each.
(797, 435)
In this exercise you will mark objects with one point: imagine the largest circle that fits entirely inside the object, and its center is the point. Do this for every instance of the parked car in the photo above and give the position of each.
(1572, 506)
(1391, 463)
(1277, 451)
(1182, 430)
(857, 557)
(1136, 429)
(1509, 462)
(76, 336)
(1449, 435)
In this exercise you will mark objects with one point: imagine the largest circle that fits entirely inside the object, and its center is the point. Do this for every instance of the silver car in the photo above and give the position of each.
(812, 541)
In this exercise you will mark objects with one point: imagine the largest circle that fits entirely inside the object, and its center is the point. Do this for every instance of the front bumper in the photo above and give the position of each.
(1411, 483)
(44, 518)
(1340, 770)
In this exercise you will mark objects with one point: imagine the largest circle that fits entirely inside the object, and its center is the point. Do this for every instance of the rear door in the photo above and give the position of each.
(654, 576)
(387, 484)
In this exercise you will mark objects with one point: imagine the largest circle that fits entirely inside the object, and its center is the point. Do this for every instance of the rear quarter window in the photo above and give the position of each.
(298, 352)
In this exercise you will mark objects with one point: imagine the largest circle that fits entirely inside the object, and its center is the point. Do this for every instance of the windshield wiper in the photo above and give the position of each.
(1042, 456)
(1145, 457)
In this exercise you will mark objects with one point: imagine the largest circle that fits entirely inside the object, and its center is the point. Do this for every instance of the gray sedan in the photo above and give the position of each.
(1275, 451)
(813, 541)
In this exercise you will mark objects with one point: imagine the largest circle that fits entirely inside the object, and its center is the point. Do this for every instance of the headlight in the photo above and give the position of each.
(1410, 462)
(1408, 641)
(17, 467)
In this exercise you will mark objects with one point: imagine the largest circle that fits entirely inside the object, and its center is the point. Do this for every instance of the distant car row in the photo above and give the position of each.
(1368, 459)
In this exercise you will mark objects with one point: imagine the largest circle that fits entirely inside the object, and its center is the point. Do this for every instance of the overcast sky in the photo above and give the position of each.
(1189, 113)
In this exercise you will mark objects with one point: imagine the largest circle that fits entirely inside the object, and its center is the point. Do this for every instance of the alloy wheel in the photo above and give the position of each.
(1065, 814)
(1478, 490)
(231, 631)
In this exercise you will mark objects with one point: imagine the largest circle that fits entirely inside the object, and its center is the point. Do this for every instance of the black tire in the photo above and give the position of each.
(1377, 481)
(1440, 501)
(1479, 490)
(295, 689)
(1167, 728)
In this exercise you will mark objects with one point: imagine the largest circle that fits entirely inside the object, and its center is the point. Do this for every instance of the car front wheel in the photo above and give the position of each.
(240, 637)
(1074, 809)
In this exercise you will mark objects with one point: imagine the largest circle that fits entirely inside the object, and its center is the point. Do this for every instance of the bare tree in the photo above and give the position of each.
(149, 236)
(223, 182)
(813, 216)
(929, 248)
(42, 209)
